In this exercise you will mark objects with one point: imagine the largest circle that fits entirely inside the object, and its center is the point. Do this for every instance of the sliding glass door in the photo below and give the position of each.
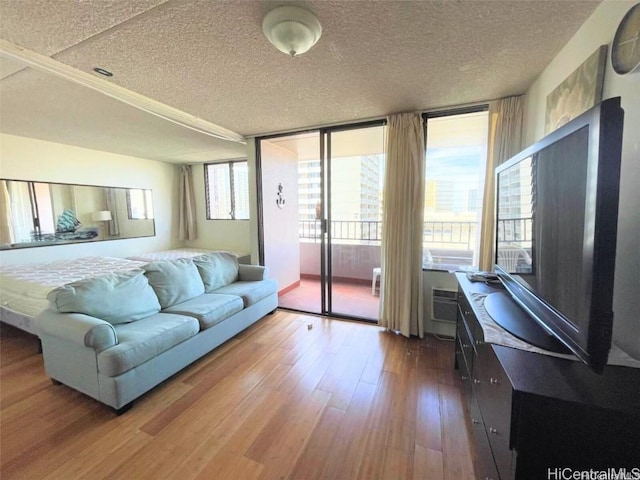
(291, 205)
(320, 204)
(354, 191)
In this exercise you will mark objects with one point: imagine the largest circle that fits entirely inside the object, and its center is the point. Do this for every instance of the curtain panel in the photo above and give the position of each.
(187, 213)
(505, 140)
(21, 215)
(6, 222)
(402, 219)
(113, 225)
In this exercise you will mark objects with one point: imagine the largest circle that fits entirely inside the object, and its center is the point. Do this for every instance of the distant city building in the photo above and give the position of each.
(473, 200)
(516, 205)
(308, 189)
(355, 189)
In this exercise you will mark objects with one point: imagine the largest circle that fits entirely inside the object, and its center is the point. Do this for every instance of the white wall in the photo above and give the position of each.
(28, 159)
(231, 235)
(281, 243)
(598, 30)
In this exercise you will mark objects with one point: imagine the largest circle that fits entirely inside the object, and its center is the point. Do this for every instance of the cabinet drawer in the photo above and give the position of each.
(465, 374)
(484, 462)
(476, 335)
(465, 344)
(494, 398)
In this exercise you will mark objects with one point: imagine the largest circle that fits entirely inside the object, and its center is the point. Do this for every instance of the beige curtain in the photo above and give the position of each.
(6, 222)
(187, 218)
(21, 216)
(505, 140)
(402, 220)
(113, 225)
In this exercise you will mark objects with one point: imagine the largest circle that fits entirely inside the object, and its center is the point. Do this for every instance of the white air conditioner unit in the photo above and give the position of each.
(444, 305)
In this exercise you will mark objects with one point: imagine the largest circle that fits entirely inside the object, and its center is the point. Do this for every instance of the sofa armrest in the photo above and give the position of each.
(252, 273)
(77, 327)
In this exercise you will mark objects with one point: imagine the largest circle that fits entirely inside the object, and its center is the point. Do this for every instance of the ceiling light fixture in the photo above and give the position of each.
(292, 30)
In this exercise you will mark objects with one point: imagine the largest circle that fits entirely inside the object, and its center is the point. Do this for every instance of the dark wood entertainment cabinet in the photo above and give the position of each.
(530, 412)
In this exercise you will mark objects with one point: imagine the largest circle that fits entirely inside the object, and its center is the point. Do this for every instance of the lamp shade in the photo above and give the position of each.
(292, 30)
(101, 216)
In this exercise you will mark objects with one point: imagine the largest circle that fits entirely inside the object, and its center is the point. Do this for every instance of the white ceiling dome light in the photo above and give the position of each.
(292, 30)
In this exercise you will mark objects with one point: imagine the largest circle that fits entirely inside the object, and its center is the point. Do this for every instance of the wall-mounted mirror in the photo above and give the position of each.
(34, 214)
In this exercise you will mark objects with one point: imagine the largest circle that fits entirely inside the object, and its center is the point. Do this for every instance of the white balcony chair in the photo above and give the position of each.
(376, 274)
(509, 256)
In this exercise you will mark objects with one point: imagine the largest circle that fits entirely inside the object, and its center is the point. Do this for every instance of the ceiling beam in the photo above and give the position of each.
(146, 104)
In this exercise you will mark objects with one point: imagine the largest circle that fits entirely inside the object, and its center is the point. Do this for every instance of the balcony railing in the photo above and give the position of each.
(459, 234)
(515, 229)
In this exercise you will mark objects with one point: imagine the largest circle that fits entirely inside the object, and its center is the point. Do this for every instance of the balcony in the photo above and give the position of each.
(355, 252)
(447, 245)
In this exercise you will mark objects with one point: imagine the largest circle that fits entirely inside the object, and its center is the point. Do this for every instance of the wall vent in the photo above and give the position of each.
(444, 305)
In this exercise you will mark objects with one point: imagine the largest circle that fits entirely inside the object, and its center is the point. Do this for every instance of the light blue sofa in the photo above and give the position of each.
(117, 336)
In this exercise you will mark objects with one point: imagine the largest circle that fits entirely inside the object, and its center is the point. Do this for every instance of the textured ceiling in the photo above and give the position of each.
(108, 124)
(210, 59)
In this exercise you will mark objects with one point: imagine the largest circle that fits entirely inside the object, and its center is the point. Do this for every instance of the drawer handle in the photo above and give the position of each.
(466, 345)
(463, 377)
(467, 312)
(479, 342)
(476, 381)
(475, 422)
(494, 381)
(493, 430)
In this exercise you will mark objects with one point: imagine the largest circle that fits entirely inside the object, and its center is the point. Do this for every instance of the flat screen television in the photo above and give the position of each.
(556, 224)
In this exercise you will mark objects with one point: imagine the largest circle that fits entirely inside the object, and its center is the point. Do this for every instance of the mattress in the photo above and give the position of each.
(24, 288)
(174, 254)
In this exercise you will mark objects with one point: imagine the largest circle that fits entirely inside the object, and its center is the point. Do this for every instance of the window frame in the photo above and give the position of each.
(447, 112)
(207, 188)
(146, 205)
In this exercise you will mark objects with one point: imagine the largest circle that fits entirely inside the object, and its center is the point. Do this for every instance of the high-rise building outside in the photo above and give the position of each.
(355, 191)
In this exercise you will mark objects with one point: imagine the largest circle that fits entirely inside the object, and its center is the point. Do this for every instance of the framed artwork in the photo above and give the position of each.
(578, 92)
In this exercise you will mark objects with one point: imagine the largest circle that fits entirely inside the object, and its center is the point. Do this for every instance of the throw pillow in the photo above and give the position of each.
(174, 281)
(217, 269)
(120, 297)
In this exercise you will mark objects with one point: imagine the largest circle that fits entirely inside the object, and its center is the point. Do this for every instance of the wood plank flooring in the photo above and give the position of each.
(292, 397)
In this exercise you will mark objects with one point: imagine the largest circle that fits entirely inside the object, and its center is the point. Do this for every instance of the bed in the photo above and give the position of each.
(24, 288)
(184, 253)
(169, 254)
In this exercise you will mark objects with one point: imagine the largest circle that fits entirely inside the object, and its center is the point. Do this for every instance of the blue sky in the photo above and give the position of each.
(460, 164)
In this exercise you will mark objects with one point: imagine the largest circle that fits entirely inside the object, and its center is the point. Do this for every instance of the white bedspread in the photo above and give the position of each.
(24, 288)
(170, 254)
(179, 253)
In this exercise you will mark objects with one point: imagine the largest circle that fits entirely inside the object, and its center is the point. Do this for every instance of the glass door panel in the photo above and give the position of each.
(356, 173)
(321, 205)
(292, 239)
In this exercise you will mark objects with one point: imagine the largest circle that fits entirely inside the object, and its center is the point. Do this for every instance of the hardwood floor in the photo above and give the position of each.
(339, 400)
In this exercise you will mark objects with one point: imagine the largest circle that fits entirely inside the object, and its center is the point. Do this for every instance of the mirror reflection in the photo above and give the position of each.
(34, 214)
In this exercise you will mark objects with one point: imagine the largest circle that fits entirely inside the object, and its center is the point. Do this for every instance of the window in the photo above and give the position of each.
(227, 190)
(139, 204)
(456, 154)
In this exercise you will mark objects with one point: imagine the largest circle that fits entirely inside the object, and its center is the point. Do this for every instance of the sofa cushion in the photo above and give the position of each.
(118, 297)
(142, 340)
(250, 292)
(174, 281)
(210, 308)
(217, 269)
(252, 273)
